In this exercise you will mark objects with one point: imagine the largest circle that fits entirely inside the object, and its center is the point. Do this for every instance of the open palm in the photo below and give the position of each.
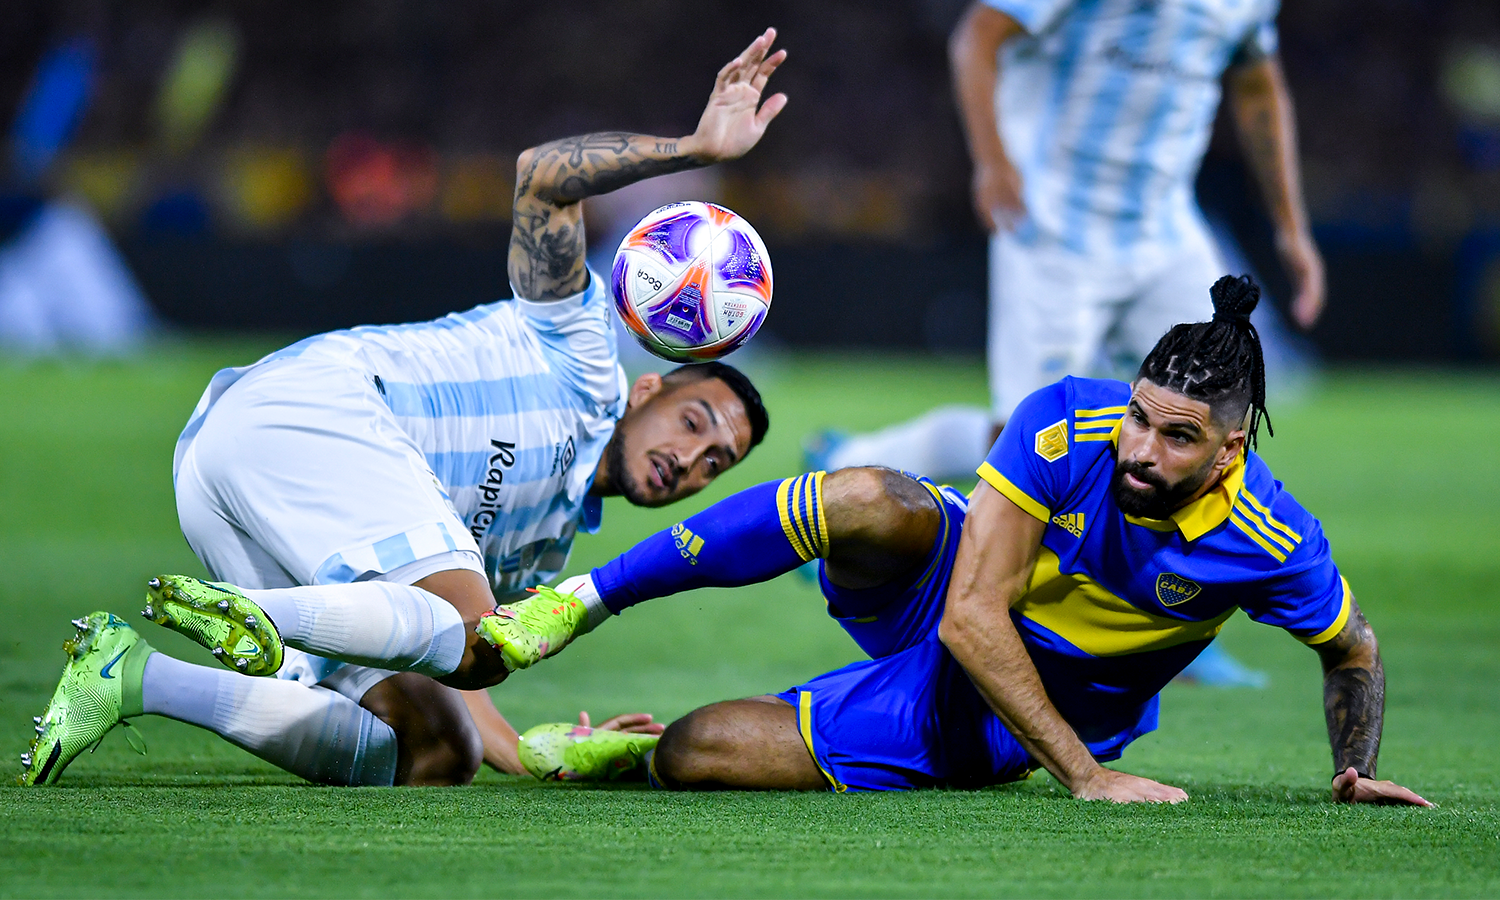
(735, 119)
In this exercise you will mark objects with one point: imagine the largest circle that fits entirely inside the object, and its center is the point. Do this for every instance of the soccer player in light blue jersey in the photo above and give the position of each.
(365, 496)
(1115, 529)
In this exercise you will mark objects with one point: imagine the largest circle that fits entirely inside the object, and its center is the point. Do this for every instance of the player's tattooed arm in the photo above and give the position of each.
(547, 240)
(1353, 694)
(1354, 705)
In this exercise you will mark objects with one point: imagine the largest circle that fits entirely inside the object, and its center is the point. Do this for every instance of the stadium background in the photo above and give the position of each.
(272, 169)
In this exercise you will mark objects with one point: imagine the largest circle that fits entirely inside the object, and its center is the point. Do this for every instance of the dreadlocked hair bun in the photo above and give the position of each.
(1234, 298)
(1219, 362)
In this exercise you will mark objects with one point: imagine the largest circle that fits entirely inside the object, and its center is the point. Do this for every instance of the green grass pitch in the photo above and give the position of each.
(1401, 467)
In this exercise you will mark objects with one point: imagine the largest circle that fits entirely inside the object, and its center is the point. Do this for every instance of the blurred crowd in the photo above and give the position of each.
(399, 119)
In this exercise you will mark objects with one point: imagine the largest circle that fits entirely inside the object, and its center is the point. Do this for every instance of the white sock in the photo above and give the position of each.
(311, 732)
(371, 623)
(582, 587)
(947, 443)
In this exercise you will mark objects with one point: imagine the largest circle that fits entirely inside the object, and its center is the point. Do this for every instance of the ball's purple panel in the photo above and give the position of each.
(683, 313)
(741, 266)
(617, 280)
(669, 238)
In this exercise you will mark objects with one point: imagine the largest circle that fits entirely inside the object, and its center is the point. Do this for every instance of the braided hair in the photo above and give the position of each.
(1219, 362)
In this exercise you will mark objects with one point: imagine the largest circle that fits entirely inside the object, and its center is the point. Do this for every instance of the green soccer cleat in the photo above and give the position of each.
(563, 752)
(529, 631)
(219, 617)
(100, 686)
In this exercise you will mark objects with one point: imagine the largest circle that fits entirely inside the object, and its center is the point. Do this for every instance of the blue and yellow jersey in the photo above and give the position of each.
(1118, 605)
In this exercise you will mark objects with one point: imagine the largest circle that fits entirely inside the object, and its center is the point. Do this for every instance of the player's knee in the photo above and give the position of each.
(880, 511)
(689, 749)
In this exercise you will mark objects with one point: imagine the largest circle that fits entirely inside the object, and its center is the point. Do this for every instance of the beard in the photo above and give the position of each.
(1161, 498)
(623, 481)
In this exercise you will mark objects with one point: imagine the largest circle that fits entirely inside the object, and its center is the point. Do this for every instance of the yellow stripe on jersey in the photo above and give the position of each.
(1083, 613)
(1112, 435)
(1270, 520)
(1096, 413)
(1251, 516)
(1254, 535)
(1017, 496)
(799, 502)
(1096, 425)
(804, 724)
(1332, 631)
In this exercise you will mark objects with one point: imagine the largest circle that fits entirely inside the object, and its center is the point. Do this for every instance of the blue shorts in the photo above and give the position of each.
(909, 717)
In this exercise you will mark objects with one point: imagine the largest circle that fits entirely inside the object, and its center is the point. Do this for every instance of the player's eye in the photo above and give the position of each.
(691, 425)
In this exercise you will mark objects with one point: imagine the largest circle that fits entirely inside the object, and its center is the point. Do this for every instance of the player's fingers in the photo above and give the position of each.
(583, 718)
(653, 728)
(752, 56)
(770, 110)
(763, 74)
(1390, 792)
(626, 721)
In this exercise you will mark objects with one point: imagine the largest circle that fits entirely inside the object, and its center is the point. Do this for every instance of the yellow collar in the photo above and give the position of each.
(1207, 512)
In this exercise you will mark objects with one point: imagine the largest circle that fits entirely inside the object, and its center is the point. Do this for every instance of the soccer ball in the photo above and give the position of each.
(692, 281)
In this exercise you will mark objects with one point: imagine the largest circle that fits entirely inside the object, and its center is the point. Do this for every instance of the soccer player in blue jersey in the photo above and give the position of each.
(1115, 529)
(366, 495)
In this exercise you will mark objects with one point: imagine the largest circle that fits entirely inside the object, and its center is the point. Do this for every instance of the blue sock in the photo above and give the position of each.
(750, 537)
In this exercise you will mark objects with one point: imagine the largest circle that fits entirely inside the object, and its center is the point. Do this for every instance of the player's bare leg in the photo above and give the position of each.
(436, 741)
(737, 744)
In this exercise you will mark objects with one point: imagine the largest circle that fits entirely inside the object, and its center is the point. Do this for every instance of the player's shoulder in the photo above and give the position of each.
(1280, 532)
(1072, 413)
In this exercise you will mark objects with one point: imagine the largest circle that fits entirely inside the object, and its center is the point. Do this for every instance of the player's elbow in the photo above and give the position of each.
(959, 627)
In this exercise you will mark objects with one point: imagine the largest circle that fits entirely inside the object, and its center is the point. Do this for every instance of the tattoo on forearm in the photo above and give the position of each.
(1353, 695)
(547, 237)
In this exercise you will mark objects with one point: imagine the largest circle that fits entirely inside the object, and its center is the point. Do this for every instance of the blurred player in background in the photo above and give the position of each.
(1116, 528)
(367, 494)
(1087, 122)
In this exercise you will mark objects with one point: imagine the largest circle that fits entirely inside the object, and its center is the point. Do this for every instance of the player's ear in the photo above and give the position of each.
(645, 387)
(1229, 451)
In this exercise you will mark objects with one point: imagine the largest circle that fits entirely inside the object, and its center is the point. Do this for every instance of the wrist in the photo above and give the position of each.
(692, 147)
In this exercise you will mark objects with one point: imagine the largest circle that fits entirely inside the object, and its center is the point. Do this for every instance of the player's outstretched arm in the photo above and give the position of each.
(1354, 704)
(547, 242)
(995, 558)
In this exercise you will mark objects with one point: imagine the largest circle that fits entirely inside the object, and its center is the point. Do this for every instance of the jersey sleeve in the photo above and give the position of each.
(1308, 597)
(1036, 16)
(578, 338)
(1029, 463)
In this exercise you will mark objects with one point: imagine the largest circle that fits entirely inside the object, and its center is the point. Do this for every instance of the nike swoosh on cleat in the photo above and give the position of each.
(52, 759)
(104, 672)
(247, 647)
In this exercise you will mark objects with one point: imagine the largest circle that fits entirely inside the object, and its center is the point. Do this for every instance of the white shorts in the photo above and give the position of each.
(1055, 313)
(299, 475)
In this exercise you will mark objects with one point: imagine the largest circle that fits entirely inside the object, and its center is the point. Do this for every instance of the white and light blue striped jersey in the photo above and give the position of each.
(511, 403)
(1106, 107)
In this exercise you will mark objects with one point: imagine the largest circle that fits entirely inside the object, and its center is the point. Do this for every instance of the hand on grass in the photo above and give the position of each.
(635, 723)
(1120, 787)
(1348, 787)
(735, 119)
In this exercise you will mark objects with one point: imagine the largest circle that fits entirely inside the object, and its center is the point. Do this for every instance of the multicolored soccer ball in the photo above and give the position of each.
(692, 281)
